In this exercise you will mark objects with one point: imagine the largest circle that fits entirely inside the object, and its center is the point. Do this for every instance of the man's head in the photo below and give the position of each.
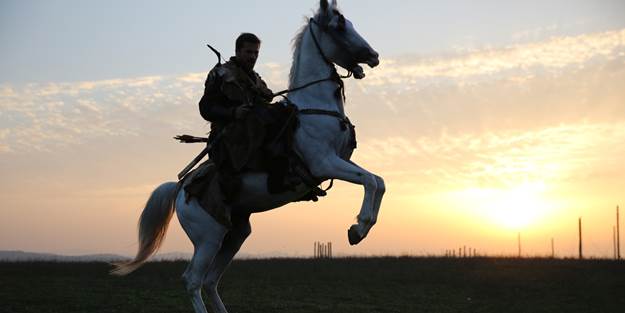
(247, 48)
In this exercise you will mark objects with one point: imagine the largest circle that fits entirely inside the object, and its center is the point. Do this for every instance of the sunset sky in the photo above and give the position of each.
(485, 118)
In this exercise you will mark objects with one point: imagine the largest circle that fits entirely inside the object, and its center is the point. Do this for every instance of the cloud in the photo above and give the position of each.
(518, 60)
(524, 86)
(506, 95)
(4, 148)
(498, 158)
(49, 116)
(194, 78)
(537, 32)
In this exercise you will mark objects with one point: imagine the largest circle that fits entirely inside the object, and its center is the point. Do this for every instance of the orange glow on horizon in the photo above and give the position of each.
(513, 208)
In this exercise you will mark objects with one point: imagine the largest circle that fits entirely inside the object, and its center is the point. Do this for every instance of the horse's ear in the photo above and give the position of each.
(333, 4)
(323, 4)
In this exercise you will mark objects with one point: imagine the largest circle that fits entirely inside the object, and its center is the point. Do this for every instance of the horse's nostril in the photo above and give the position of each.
(373, 62)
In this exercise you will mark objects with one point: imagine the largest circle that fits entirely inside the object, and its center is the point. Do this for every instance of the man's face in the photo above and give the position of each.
(248, 54)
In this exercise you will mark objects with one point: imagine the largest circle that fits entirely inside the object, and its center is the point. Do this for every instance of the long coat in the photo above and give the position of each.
(227, 87)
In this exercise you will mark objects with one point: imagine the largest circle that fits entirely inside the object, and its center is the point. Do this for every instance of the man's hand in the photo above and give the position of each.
(241, 111)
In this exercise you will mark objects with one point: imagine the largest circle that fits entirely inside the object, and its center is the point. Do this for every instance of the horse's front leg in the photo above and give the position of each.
(379, 193)
(337, 168)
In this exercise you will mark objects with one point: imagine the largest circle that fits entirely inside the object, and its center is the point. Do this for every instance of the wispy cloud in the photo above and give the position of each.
(536, 58)
(43, 117)
(523, 87)
(534, 85)
(499, 159)
(535, 33)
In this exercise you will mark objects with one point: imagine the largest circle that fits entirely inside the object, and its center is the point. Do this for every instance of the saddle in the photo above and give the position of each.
(214, 187)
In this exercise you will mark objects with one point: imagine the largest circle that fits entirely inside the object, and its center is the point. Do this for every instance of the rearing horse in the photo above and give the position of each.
(322, 140)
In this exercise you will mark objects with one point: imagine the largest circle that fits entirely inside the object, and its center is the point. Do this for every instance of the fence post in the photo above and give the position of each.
(330, 247)
(618, 236)
(581, 256)
(519, 243)
(614, 241)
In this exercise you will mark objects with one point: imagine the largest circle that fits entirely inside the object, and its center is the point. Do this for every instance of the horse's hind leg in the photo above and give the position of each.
(232, 242)
(207, 236)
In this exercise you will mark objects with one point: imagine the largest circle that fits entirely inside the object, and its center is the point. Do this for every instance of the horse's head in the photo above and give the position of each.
(339, 41)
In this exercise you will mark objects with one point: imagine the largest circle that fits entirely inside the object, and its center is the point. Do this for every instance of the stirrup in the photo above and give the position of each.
(313, 195)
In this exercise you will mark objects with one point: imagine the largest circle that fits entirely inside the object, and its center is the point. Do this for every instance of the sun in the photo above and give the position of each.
(513, 208)
(517, 208)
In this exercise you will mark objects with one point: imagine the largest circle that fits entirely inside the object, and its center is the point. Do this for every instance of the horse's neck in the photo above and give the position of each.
(311, 66)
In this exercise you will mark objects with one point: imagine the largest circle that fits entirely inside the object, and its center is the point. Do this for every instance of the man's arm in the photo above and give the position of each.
(213, 103)
(263, 90)
(212, 109)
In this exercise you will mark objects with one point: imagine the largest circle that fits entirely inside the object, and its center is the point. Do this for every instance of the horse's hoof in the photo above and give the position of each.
(353, 236)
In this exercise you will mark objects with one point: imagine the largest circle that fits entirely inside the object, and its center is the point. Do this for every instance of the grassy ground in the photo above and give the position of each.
(339, 285)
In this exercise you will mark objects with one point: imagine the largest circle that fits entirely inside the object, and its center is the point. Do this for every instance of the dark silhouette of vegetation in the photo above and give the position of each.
(388, 284)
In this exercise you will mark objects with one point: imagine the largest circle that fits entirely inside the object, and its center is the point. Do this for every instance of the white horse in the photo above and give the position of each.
(322, 141)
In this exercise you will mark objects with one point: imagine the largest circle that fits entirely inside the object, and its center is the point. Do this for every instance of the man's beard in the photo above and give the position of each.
(248, 65)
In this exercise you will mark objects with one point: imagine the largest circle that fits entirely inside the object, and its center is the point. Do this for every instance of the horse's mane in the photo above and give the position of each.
(296, 43)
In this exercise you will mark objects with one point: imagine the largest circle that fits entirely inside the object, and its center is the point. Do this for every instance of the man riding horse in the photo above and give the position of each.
(324, 139)
(248, 132)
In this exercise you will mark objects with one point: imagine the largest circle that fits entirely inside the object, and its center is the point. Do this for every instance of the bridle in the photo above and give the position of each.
(334, 75)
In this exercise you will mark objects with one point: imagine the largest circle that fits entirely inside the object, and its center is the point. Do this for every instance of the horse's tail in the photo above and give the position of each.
(152, 226)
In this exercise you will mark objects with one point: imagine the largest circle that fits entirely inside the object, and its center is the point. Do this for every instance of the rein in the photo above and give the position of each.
(334, 76)
(343, 120)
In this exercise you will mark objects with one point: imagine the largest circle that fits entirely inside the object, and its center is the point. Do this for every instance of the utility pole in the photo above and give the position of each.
(553, 252)
(581, 256)
(519, 243)
(618, 236)
(614, 241)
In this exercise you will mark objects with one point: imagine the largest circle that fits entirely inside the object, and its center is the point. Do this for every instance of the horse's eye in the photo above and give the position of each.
(341, 25)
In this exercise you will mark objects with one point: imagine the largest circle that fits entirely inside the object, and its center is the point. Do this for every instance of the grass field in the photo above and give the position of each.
(338, 285)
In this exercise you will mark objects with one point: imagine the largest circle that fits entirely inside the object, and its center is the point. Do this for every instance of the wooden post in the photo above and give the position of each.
(553, 252)
(618, 236)
(519, 243)
(330, 249)
(318, 250)
(581, 255)
(315, 250)
(614, 241)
